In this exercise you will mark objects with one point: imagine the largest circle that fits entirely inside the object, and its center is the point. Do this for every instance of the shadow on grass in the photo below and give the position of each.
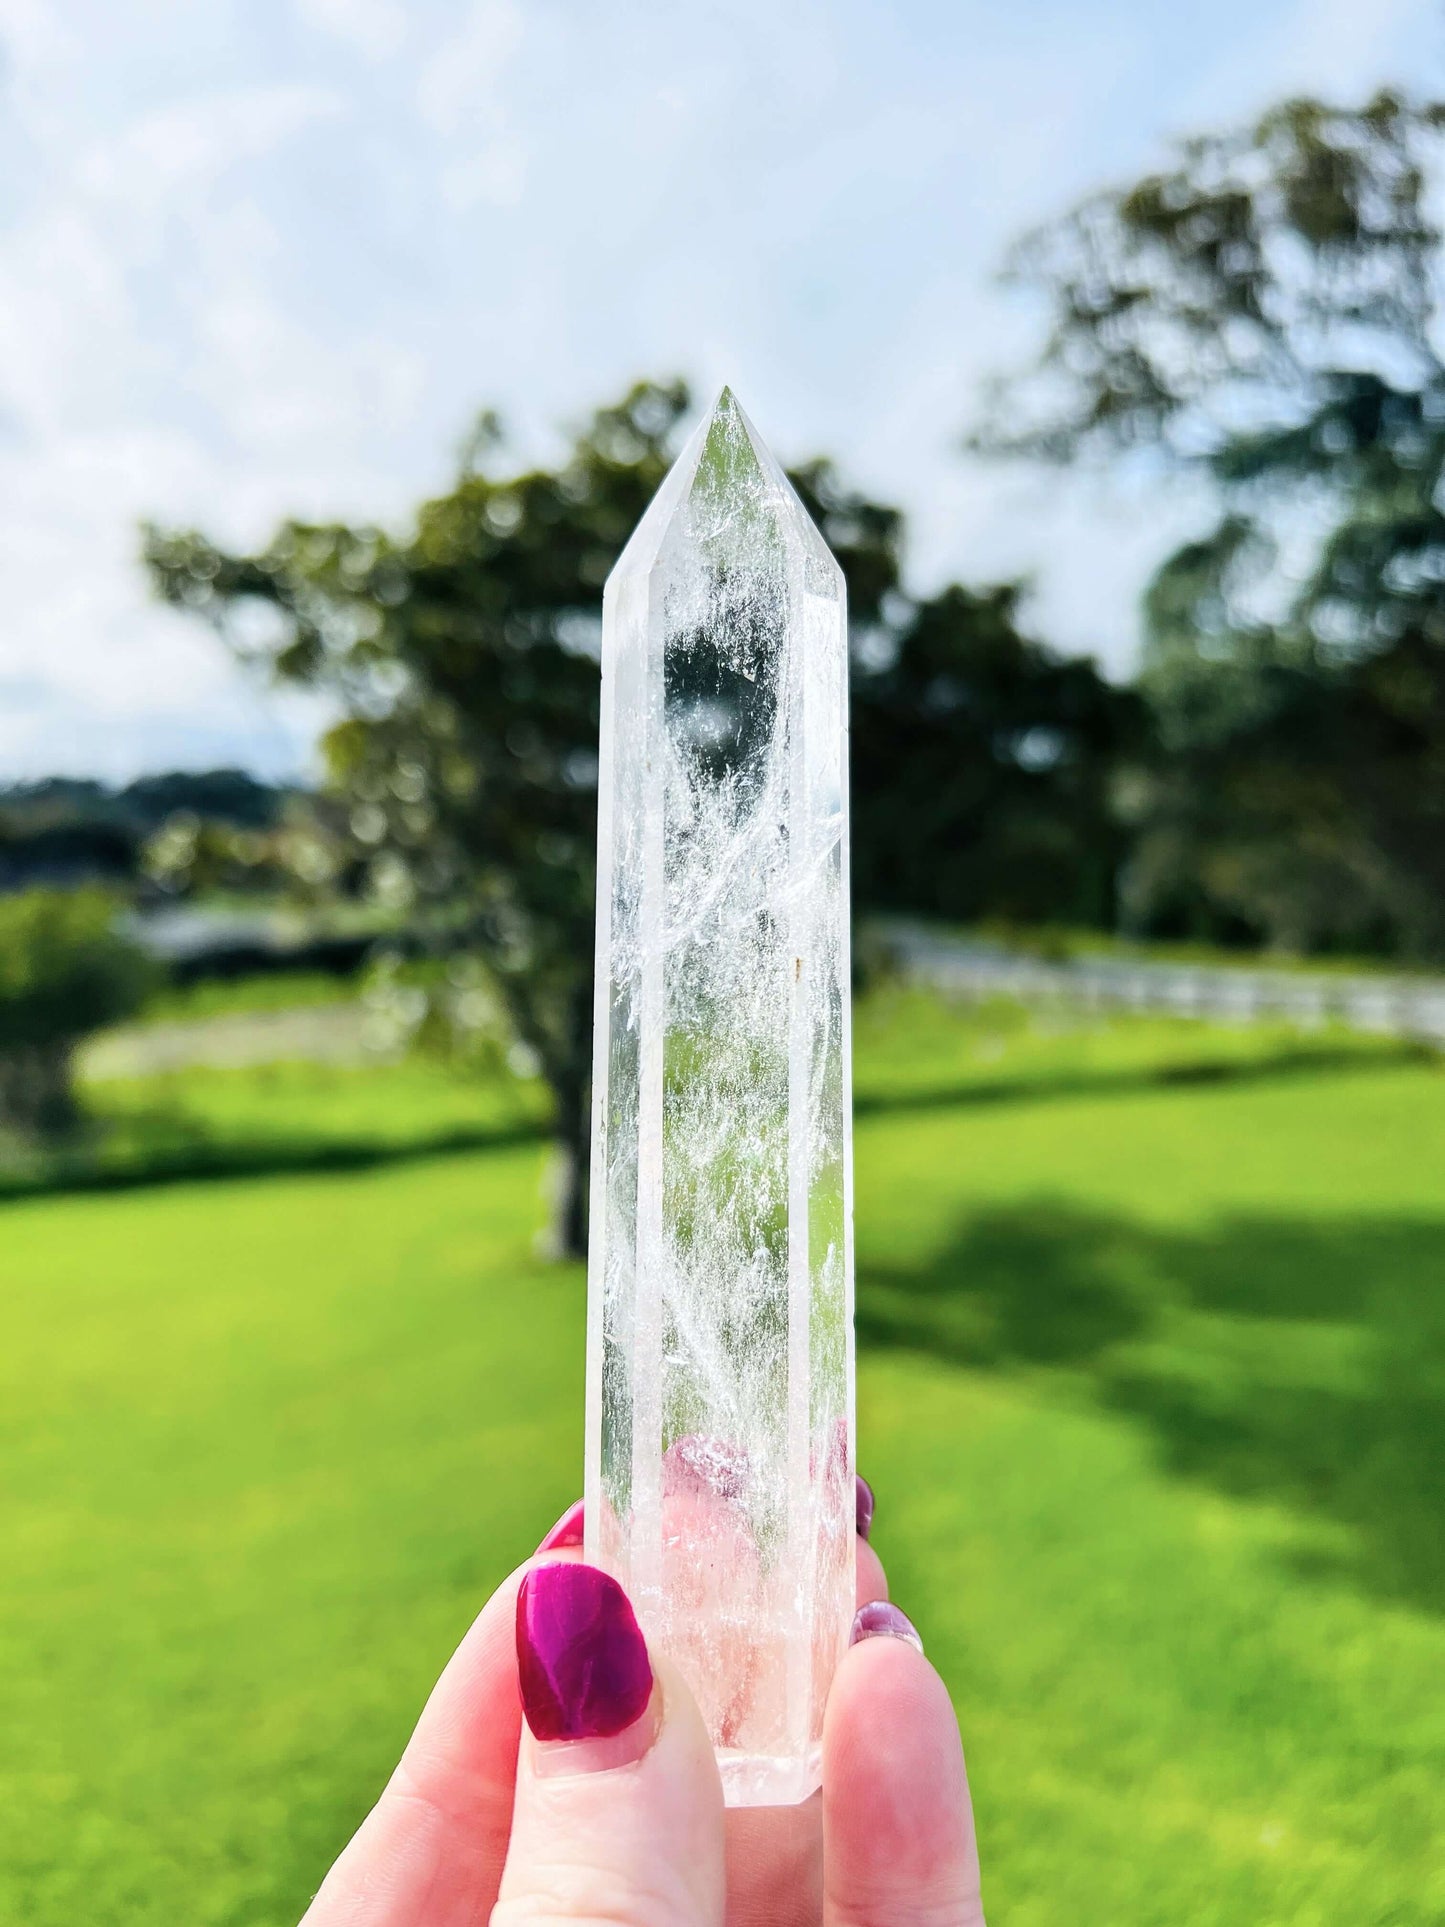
(212, 1160)
(980, 1090)
(1296, 1361)
(170, 1147)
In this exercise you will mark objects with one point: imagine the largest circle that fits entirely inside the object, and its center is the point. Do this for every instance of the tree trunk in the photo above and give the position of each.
(572, 1085)
(572, 1148)
(37, 1092)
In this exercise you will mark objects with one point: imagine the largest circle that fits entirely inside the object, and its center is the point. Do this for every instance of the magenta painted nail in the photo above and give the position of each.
(567, 1531)
(581, 1658)
(865, 1506)
(880, 1619)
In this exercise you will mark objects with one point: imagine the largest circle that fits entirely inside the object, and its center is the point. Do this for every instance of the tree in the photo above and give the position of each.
(463, 654)
(1263, 311)
(984, 770)
(65, 970)
(70, 830)
(984, 765)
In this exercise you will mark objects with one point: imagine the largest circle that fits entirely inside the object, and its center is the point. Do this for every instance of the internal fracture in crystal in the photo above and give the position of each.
(719, 1483)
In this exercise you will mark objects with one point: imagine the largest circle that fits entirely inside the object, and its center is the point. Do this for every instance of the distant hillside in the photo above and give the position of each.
(64, 830)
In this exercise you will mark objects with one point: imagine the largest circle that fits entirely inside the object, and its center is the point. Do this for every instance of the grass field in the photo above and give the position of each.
(1152, 1391)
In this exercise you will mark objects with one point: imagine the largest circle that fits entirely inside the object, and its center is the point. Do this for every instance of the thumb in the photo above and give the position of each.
(619, 1810)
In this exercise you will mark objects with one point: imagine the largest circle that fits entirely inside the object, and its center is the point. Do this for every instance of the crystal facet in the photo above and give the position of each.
(719, 1485)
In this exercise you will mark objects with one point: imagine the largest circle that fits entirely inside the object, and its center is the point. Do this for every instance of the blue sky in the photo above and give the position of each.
(263, 256)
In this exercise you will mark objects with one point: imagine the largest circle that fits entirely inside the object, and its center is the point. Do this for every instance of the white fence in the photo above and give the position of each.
(1411, 1007)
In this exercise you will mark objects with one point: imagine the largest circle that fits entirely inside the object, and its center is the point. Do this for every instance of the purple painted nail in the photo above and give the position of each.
(566, 1532)
(880, 1619)
(581, 1657)
(865, 1506)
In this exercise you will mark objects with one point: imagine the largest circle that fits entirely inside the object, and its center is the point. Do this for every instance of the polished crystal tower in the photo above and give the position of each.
(719, 1482)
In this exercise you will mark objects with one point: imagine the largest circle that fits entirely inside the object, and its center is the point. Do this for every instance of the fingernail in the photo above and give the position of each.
(880, 1619)
(865, 1505)
(581, 1658)
(566, 1532)
(697, 1464)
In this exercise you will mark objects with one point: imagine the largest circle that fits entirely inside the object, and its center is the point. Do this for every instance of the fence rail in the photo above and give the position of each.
(1411, 1007)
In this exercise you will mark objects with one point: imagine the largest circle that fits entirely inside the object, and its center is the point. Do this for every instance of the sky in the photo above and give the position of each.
(269, 257)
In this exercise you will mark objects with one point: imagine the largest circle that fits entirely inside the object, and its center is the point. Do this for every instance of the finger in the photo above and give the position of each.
(775, 1854)
(431, 1849)
(872, 1581)
(619, 1813)
(898, 1837)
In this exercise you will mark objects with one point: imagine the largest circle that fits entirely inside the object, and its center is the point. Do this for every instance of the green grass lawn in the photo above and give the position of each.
(231, 996)
(1152, 1391)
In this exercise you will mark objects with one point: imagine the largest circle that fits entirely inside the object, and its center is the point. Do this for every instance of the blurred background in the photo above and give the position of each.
(343, 343)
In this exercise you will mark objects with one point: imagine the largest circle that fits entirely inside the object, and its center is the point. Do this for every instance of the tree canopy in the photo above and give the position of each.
(984, 769)
(463, 656)
(1264, 312)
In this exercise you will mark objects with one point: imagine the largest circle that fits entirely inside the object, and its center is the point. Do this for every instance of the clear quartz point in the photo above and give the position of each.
(719, 1482)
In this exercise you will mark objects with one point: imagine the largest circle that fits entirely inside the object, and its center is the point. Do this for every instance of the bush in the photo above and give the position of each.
(65, 970)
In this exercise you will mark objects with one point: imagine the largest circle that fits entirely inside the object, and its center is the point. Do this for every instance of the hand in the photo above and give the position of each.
(607, 1807)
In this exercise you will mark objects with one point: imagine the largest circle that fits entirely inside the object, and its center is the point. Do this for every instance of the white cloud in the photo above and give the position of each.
(1338, 47)
(493, 177)
(459, 82)
(133, 290)
(243, 273)
(183, 147)
(35, 36)
(376, 28)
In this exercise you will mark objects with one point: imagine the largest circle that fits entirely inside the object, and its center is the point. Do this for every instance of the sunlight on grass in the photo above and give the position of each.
(1152, 1391)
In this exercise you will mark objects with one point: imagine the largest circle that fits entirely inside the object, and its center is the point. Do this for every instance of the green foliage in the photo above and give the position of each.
(304, 854)
(1265, 310)
(1150, 1392)
(984, 770)
(1220, 290)
(465, 656)
(464, 653)
(65, 970)
(72, 830)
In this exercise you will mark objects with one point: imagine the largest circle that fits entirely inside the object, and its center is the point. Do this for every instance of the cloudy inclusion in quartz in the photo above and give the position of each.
(719, 1482)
